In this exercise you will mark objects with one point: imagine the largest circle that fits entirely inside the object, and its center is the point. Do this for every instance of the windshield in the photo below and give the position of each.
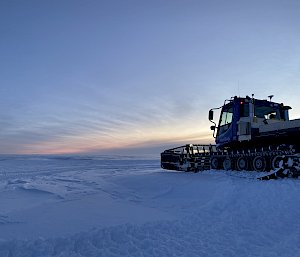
(226, 116)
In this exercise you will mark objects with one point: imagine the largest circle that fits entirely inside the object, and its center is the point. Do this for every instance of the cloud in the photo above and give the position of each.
(132, 75)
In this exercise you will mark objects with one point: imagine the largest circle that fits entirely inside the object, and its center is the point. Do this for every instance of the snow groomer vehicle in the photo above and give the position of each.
(251, 135)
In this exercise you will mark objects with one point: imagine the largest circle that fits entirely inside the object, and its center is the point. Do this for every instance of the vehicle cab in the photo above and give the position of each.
(241, 119)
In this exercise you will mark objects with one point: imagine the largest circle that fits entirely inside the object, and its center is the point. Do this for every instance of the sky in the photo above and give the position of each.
(83, 76)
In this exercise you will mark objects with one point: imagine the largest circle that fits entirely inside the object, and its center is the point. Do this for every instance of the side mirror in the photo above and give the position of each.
(213, 128)
(211, 115)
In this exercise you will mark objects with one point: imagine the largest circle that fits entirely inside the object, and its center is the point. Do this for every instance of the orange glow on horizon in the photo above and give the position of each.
(88, 144)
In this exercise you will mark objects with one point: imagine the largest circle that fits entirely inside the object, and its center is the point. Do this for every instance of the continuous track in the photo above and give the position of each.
(279, 161)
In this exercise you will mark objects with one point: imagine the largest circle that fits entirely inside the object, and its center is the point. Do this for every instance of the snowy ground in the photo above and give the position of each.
(100, 206)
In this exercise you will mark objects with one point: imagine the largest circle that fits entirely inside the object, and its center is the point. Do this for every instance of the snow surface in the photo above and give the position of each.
(119, 206)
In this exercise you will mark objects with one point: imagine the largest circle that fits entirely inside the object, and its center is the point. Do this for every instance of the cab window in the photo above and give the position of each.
(244, 109)
(266, 112)
(226, 117)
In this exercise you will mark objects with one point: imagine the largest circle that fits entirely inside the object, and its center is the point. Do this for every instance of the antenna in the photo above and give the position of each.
(271, 96)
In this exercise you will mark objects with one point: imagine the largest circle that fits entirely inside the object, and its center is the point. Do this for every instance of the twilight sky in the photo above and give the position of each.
(88, 76)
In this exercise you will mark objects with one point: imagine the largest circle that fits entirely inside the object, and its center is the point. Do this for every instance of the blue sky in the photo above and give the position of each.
(90, 76)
